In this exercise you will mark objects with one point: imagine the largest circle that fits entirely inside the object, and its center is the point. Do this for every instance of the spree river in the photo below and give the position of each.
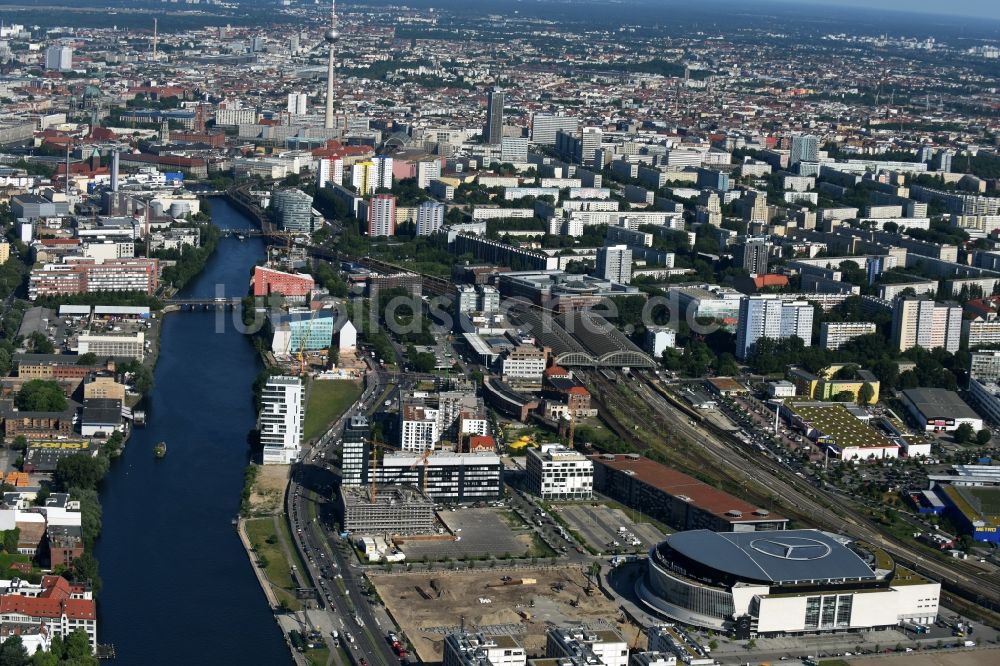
(177, 585)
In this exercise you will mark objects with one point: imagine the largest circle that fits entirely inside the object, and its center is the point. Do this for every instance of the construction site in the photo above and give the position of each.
(524, 602)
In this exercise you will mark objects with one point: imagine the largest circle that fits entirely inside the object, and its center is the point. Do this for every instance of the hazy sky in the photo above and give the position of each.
(971, 8)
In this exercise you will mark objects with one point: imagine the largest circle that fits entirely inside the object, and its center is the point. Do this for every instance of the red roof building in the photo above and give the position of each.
(267, 281)
(61, 606)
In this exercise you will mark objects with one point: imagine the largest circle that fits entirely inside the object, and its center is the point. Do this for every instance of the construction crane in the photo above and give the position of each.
(302, 343)
(374, 468)
(422, 459)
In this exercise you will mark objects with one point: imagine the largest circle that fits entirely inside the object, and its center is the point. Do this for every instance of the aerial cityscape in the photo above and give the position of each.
(506, 333)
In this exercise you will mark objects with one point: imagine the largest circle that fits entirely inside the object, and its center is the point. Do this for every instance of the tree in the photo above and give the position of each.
(41, 395)
(78, 648)
(81, 471)
(40, 344)
(984, 436)
(865, 394)
(90, 358)
(11, 538)
(963, 433)
(12, 652)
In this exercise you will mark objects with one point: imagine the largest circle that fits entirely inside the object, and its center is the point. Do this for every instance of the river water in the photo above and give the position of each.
(177, 584)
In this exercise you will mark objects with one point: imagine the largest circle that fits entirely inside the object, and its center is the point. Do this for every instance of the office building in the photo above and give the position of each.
(590, 646)
(430, 217)
(267, 281)
(834, 334)
(805, 148)
(514, 149)
(382, 215)
(467, 649)
(545, 125)
(658, 340)
(555, 472)
(770, 317)
(751, 255)
(985, 366)
(716, 180)
(792, 582)
(85, 275)
(104, 345)
(493, 131)
(676, 499)
(942, 161)
(614, 263)
(921, 322)
(450, 478)
(298, 103)
(355, 451)
(59, 58)
(293, 210)
(281, 418)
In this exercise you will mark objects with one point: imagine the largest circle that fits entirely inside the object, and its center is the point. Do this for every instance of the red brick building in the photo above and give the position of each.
(267, 281)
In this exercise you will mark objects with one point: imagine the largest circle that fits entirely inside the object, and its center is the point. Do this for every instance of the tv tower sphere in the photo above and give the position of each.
(331, 35)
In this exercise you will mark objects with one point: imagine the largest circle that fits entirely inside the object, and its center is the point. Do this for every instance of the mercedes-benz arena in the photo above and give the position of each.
(785, 582)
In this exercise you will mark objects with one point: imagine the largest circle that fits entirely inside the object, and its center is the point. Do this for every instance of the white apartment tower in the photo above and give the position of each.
(921, 322)
(281, 419)
(769, 317)
(614, 262)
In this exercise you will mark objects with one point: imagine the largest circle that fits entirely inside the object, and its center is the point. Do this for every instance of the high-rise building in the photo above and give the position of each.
(355, 451)
(755, 207)
(331, 36)
(614, 262)
(294, 210)
(281, 419)
(985, 365)
(805, 148)
(514, 149)
(59, 58)
(493, 131)
(751, 255)
(770, 317)
(329, 171)
(369, 176)
(921, 322)
(298, 103)
(430, 217)
(382, 215)
(545, 125)
(942, 161)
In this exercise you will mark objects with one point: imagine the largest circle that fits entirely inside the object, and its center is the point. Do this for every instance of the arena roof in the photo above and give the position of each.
(783, 556)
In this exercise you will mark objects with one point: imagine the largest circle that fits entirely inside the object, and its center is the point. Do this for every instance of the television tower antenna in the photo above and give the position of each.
(155, 37)
(331, 36)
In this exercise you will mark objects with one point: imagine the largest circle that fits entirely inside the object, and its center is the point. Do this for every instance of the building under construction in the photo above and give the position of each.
(393, 510)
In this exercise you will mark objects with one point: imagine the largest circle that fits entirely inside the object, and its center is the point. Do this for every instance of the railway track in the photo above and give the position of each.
(744, 464)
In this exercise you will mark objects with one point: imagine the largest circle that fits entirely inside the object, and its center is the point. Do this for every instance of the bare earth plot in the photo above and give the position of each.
(454, 595)
(269, 490)
(963, 658)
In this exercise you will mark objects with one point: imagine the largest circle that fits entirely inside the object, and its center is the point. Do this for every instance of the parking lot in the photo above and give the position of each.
(480, 532)
(602, 526)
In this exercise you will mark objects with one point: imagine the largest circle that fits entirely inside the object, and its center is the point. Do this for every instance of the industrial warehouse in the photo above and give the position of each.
(782, 582)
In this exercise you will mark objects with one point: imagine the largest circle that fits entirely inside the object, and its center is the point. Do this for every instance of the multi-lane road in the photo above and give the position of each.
(337, 580)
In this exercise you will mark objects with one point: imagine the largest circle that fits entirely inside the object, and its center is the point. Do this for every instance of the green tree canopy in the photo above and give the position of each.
(81, 471)
(41, 395)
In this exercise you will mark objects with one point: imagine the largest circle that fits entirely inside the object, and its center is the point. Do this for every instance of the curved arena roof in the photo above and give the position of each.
(782, 556)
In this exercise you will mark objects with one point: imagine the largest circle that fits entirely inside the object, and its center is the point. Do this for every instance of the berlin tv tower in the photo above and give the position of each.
(331, 36)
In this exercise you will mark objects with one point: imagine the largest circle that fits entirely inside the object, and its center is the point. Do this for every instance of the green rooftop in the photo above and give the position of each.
(838, 426)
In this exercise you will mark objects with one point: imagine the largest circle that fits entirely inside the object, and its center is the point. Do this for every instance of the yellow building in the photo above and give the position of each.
(104, 387)
(825, 385)
(4, 252)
